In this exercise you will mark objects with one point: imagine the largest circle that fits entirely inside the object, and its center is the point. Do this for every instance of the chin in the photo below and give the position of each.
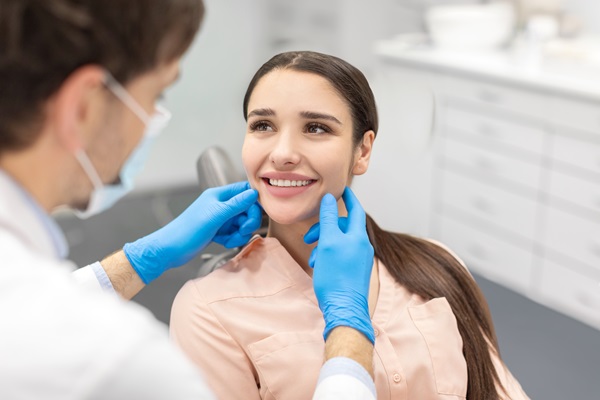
(288, 217)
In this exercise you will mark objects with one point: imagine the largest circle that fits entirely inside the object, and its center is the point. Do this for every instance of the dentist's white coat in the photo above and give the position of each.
(60, 340)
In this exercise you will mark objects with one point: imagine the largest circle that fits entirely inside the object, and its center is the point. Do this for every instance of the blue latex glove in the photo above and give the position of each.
(342, 262)
(227, 215)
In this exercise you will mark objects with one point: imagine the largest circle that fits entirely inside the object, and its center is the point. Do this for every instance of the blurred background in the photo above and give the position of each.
(489, 141)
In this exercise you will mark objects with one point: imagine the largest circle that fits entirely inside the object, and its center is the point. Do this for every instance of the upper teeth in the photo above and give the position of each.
(285, 182)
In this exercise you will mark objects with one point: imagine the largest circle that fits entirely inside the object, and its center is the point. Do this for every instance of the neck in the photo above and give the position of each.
(291, 238)
(38, 172)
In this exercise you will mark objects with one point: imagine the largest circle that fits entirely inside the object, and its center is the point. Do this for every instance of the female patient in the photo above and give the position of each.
(254, 326)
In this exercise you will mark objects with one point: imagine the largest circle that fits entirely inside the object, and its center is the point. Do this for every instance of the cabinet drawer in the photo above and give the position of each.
(576, 190)
(577, 152)
(491, 204)
(570, 292)
(496, 96)
(493, 132)
(573, 236)
(576, 114)
(488, 163)
(487, 255)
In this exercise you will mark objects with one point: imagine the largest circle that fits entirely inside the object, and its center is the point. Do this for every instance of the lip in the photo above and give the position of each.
(284, 192)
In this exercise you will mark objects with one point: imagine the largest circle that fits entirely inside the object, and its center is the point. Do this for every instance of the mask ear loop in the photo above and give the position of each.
(158, 121)
(87, 166)
(122, 94)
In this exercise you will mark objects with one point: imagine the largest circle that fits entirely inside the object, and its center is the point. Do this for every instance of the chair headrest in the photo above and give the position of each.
(215, 168)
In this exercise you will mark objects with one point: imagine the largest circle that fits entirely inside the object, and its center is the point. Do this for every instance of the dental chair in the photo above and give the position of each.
(215, 168)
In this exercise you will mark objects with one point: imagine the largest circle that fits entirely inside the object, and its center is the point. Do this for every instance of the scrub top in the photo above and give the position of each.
(255, 327)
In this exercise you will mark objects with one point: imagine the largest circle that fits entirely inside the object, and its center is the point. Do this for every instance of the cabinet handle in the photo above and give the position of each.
(487, 130)
(486, 165)
(482, 204)
(588, 301)
(595, 247)
(489, 96)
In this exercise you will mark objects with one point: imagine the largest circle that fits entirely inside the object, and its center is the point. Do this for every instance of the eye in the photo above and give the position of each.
(261, 126)
(317, 129)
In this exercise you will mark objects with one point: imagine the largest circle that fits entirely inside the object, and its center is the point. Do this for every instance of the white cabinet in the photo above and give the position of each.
(562, 287)
(516, 182)
(484, 252)
(489, 171)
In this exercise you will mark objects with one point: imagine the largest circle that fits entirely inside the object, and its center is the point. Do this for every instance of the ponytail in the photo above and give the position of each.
(429, 271)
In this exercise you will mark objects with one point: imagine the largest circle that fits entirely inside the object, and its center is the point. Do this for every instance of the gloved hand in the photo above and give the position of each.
(227, 215)
(342, 262)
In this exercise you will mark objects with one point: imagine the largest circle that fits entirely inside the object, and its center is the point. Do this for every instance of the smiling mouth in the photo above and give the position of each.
(287, 182)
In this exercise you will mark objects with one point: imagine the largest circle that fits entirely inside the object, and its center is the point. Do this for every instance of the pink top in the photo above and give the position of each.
(255, 329)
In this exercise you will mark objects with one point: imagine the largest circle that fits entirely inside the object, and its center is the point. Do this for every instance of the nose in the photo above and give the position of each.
(284, 153)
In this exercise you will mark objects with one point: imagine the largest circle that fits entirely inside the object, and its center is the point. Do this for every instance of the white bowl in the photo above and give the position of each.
(471, 26)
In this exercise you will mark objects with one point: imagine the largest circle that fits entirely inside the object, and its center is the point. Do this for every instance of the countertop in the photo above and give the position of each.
(567, 77)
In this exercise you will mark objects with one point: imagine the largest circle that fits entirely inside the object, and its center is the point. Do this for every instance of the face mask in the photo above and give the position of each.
(105, 196)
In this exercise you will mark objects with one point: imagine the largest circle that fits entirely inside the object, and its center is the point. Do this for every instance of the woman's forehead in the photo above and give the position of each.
(284, 88)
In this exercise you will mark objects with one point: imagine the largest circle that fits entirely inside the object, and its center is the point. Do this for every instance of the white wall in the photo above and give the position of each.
(588, 11)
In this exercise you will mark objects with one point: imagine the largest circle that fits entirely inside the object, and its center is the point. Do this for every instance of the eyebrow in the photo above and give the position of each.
(268, 112)
(261, 112)
(316, 115)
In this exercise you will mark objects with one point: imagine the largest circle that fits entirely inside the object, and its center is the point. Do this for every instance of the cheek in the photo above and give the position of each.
(250, 161)
(337, 178)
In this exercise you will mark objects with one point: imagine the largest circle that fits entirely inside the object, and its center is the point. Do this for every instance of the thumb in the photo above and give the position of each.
(328, 215)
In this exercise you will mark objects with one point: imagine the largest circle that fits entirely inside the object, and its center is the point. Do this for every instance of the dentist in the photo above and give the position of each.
(80, 83)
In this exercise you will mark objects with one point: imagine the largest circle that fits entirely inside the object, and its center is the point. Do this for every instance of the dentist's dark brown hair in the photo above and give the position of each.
(421, 266)
(42, 42)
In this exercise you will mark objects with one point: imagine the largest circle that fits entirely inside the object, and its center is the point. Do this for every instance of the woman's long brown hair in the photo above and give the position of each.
(419, 265)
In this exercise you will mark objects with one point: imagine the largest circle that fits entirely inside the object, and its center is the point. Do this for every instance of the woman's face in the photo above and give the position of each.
(298, 144)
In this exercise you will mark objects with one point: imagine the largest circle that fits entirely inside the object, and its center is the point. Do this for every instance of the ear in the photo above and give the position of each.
(76, 107)
(363, 154)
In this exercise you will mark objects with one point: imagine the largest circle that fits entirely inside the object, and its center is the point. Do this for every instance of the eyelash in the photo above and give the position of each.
(317, 125)
(311, 125)
(255, 125)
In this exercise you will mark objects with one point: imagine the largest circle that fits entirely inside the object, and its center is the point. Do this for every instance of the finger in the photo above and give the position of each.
(328, 215)
(237, 240)
(226, 227)
(356, 214)
(233, 240)
(233, 189)
(240, 203)
(343, 224)
(251, 221)
(313, 258)
(313, 234)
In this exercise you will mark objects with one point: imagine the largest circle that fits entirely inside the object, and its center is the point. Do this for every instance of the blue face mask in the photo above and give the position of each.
(105, 196)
